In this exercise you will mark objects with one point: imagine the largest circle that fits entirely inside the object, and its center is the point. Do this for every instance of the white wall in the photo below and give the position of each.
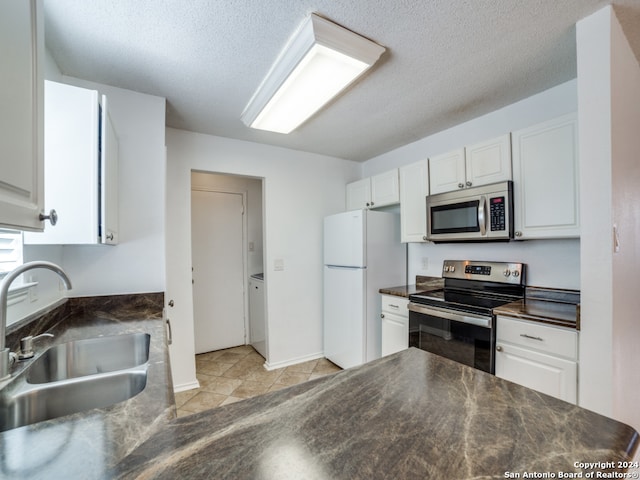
(625, 121)
(551, 263)
(299, 190)
(594, 122)
(609, 99)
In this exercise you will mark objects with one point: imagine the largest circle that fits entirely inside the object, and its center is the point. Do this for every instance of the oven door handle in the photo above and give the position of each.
(470, 318)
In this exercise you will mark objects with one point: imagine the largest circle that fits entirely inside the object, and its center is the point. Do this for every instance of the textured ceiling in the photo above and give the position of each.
(447, 61)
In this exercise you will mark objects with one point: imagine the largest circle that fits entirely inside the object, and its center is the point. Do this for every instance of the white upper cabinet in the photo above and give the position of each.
(546, 180)
(488, 162)
(21, 118)
(447, 172)
(81, 168)
(378, 191)
(414, 187)
(359, 194)
(480, 164)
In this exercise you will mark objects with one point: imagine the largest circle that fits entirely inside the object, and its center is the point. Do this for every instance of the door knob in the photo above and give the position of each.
(52, 217)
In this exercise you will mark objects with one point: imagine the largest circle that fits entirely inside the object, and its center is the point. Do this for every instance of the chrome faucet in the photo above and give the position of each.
(5, 357)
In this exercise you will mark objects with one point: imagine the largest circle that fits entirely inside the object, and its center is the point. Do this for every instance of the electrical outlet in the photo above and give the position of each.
(425, 263)
(252, 246)
(278, 264)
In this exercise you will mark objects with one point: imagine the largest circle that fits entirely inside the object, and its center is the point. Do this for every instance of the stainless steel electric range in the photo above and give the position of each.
(457, 321)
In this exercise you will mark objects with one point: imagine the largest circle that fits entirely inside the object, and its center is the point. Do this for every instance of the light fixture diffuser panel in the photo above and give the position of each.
(320, 61)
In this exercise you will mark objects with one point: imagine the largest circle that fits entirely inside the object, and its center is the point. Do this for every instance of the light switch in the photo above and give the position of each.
(278, 264)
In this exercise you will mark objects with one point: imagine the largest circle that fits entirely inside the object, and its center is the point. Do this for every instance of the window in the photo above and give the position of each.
(10, 251)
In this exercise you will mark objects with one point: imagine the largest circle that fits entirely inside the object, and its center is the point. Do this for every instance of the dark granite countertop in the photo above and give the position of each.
(423, 284)
(408, 415)
(551, 306)
(86, 445)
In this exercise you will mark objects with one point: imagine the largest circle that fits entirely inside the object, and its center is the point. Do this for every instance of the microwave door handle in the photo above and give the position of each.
(481, 216)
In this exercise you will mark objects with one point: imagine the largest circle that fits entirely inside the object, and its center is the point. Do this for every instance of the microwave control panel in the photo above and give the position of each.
(497, 214)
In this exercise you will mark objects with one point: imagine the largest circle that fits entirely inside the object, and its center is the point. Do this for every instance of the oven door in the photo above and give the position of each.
(464, 337)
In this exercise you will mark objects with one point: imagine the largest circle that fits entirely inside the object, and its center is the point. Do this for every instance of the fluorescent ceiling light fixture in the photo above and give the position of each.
(318, 63)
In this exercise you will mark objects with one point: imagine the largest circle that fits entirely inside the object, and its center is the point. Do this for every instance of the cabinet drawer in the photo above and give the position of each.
(553, 340)
(397, 305)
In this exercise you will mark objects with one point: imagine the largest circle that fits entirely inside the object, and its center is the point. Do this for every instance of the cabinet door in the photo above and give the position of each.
(545, 177)
(385, 189)
(395, 333)
(489, 161)
(21, 115)
(545, 373)
(359, 194)
(109, 173)
(71, 165)
(414, 187)
(447, 172)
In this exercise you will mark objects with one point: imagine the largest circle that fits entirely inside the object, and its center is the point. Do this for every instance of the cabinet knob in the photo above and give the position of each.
(171, 304)
(461, 185)
(110, 237)
(372, 204)
(382, 315)
(52, 217)
(499, 348)
(469, 183)
(518, 234)
(368, 204)
(424, 237)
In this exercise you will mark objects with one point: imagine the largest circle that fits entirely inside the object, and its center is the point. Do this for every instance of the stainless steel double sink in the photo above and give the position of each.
(76, 376)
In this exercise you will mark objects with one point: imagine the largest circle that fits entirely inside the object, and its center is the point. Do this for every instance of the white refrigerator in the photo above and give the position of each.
(362, 253)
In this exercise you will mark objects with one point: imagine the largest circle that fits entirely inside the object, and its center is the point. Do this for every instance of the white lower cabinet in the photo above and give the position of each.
(395, 324)
(537, 356)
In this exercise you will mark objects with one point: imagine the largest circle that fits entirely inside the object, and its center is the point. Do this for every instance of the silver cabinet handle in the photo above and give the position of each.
(461, 185)
(170, 337)
(424, 237)
(540, 339)
(393, 306)
(518, 234)
(171, 304)
(469, 183)
(52, 217)
(110, 237)
(382, 315)
(499, 348)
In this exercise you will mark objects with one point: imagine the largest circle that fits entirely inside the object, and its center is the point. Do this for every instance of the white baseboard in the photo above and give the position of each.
(183, 387)
(293, 361)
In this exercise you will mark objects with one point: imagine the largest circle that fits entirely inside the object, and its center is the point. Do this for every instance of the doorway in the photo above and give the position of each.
(227, 246)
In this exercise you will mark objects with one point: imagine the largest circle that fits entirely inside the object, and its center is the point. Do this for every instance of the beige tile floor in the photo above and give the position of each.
(226, 376)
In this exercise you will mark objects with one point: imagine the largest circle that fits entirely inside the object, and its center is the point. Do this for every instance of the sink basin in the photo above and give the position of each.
(36, 403)
(89, 357)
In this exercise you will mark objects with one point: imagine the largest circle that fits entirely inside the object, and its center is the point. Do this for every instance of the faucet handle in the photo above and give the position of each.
(26, 345)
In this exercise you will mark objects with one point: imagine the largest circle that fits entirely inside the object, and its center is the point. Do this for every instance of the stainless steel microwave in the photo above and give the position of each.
(474, 214)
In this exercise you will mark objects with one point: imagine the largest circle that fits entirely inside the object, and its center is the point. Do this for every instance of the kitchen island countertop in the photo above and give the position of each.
(408, 415)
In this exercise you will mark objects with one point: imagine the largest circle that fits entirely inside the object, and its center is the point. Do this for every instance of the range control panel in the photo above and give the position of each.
(501, 272)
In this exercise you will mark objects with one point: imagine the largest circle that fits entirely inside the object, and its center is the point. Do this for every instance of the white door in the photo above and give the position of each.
(218, 270)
